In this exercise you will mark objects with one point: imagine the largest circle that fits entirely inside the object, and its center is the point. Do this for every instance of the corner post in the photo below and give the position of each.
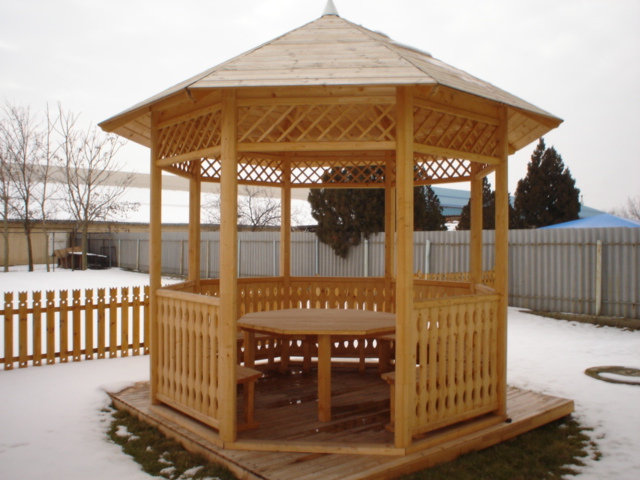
(285, 231)
(228, 268)
(405, 329)
(502, 258)
(475, 257)
(194, 226)
(389, 233)
(155, 253)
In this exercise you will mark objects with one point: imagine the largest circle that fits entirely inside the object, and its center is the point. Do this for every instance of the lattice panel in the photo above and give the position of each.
(316, 123)
(210, 168)
(428, 169)
(450, 131)
(191, 135)
(186, 167)
(250, 169)
(261, 170)
(341, 171)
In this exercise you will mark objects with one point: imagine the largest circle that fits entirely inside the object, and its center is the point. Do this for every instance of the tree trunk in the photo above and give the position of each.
(5, 234)
(85, 245)
(27, 232)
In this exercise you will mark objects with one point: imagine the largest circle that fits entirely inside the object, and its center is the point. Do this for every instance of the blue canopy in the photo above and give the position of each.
(599, 221)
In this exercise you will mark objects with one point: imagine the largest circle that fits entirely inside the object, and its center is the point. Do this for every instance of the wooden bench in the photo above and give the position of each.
(390, 378)
(247, 378)
(385, 343)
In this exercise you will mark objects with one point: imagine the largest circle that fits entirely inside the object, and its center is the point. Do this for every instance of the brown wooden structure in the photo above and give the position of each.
(299, 112)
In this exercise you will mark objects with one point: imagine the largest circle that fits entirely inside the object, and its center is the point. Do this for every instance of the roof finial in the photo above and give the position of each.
(330, 9)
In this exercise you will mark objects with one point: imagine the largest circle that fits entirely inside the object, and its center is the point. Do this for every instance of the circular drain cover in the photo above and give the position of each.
(626, 375)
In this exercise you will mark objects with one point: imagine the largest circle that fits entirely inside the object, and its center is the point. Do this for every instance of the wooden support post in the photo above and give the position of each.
(502, 259)
(227, 333)
(285, 231)
(155, 254)
(194, 227)
(324, 378)
(389, 233)
(475, 253)
(405, 337)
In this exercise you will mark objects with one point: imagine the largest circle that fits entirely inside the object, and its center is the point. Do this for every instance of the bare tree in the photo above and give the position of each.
(93, 183)
(630, 210)
(49, 189)
(22, 144)
(257, 209)
(5, 194)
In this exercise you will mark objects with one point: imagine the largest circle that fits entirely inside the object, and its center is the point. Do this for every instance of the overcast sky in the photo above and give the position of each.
(578, 59)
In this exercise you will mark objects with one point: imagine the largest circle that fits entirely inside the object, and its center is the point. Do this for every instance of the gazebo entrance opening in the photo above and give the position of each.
(295, 113)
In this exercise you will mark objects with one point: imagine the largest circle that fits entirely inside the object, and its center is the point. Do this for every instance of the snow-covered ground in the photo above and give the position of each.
(51, 424)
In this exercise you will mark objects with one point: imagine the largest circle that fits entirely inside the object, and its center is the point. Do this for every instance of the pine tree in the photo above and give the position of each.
(430, 216)
(488, 210)
(547, 195)
(346, 215)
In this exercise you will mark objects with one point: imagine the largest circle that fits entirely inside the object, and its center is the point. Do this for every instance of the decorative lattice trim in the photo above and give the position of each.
(316, 123)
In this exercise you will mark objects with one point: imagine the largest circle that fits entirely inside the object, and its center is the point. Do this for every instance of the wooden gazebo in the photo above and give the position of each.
(323, 98)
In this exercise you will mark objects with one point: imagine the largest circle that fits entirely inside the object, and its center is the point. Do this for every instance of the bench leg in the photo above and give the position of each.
(384, 355)
(392, 392)
(248, 391)
(362, 365)
(284, 355)
(306, 352)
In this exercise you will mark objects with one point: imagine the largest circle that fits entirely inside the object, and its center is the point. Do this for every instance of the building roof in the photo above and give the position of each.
(453, 200)
(332, 51)
(604, 220)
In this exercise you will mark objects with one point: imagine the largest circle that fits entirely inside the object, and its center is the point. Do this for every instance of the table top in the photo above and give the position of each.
(316, 321)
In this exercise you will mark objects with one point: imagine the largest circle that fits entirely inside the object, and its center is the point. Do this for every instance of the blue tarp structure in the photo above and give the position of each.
(599, 221)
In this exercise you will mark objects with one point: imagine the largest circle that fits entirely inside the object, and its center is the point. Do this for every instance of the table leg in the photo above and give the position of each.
(324, 378)
(249, 349)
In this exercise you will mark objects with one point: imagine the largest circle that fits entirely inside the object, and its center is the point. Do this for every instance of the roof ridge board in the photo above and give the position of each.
(391, 45)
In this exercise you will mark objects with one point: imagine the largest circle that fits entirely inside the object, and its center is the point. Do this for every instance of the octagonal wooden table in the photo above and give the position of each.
(325, 324)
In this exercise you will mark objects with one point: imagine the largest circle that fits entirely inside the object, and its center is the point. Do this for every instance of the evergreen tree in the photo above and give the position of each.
(346, 215)
(488, 211)
(548, 194)
(428, 214)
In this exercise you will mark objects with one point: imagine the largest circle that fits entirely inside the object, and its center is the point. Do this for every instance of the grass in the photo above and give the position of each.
(158, 455)
(551, 452)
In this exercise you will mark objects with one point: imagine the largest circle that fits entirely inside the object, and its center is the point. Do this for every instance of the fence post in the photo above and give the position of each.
(207, 259)
(366, 257)
(239, 257)
(598, 277)
(181, 258)
(138, 256)
(275, 258)
(317, 265)
(8, 331)
(37, 328)
(427, 254)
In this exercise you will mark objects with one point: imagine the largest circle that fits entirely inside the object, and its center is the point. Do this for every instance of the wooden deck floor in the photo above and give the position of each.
(287, 411)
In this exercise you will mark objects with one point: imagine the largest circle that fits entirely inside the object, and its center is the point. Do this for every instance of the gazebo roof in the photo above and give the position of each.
(329, 51)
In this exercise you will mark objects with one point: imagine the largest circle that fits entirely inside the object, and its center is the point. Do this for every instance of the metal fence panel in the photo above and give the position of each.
(586, 271)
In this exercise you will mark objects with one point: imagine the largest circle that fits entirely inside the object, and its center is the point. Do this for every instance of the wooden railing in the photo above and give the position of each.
(187, 359)
(76, 325)
(456, 333)
(264, 294)
(456, 373)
